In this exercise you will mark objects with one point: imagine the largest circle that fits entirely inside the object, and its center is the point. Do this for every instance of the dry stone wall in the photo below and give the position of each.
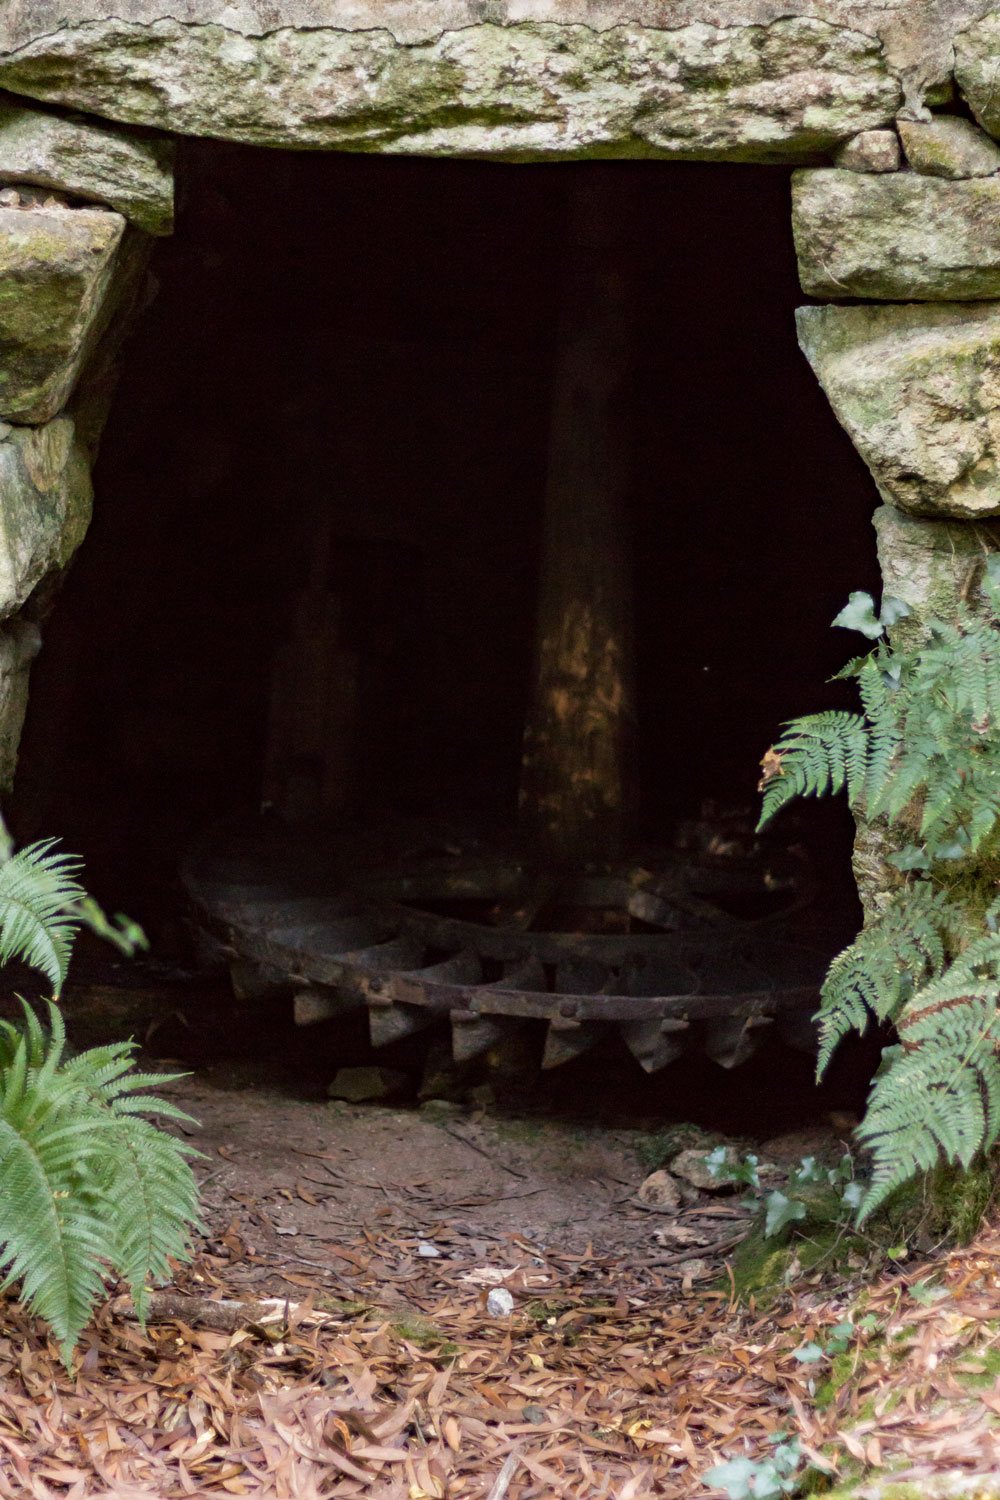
(78, 199)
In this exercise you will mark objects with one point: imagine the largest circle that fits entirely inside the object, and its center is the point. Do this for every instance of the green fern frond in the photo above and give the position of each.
(818, 754)
(38, 888)
(928, 744)
(877, 974)
(87, 1185)
(938, 1093)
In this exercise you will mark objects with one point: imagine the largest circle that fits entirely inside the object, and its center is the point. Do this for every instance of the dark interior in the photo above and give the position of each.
(374, 339)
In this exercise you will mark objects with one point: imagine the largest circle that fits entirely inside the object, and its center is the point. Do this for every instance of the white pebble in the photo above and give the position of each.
(499, 1303)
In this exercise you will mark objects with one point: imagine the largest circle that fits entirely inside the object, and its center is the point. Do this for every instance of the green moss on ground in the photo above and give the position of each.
(945, 1206)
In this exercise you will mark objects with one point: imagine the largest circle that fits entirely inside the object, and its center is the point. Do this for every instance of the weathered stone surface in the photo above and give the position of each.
(948, 146)
(897, 238)
(45, 503)
(691, 1167)
(870, 151)
(930, 565)
(916, 37)
(783, 91)
(125, 170)
(19, 643)
(918, 389)
(976, 52)
(56, 267)
(660, 1193)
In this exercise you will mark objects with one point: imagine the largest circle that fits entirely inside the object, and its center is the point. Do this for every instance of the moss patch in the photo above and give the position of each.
(946, 1205)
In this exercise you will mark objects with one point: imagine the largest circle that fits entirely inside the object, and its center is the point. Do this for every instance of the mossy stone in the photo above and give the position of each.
(525, 89)
(126, 170)
(917, 387)
(56, 271)
(898, 237)
(45, 505)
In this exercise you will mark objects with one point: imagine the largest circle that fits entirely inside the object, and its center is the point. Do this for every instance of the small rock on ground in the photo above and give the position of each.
(365, 1085)
(693, 1168)
(661, 1193)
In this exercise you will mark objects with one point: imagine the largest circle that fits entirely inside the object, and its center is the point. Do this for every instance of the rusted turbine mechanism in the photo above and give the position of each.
(562, 927)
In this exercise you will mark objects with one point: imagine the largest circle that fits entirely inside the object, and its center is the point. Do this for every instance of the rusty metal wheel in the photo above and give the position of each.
(487, 944)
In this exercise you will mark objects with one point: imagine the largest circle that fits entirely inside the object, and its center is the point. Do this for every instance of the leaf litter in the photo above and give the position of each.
(362, 1366)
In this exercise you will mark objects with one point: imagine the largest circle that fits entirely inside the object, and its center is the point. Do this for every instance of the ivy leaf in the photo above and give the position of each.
(781, 1211)
(808, 1354)
(893, 610)
(859, 614)
(853, 1194)
(735, 1478)
(910, 858)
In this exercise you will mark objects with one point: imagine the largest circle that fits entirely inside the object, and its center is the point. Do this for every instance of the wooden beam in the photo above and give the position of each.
(578, 774)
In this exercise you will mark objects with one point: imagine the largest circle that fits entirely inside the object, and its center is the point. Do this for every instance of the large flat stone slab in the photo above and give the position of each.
(45, 504)
(127, 171)
(56, 269)
(918, 389)
(898, 237)
(529, 89)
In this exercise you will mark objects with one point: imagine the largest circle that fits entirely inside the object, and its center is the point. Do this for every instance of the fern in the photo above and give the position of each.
(939, 1093)
(88, 1184)
(817, 755)
(923, 755)
(878, 973)
(38, 891)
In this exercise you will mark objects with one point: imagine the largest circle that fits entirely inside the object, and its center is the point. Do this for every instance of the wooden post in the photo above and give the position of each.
(309, 750)
(578, 772)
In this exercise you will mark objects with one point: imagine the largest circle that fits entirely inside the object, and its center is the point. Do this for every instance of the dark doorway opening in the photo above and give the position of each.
(372, 341)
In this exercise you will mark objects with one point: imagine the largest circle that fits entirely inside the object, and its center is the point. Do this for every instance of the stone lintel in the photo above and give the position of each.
(87, 159)
(788, 89)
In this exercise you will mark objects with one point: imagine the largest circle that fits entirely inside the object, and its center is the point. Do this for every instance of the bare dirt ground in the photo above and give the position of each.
(297, 1176)
(334, 1335)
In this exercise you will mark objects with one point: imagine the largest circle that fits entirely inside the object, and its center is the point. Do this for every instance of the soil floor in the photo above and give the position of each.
(438, 1302)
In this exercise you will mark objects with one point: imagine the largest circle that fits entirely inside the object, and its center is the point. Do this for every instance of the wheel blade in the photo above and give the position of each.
(655, 1043)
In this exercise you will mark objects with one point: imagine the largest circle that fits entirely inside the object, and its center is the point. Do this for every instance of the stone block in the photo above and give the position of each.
(870, 151)
(45, 503)
(976, 51)
(899, 237)
(917, 387)
(56, 268)
(931, 565)
(539, 86)
(123, 169)
(949, 147)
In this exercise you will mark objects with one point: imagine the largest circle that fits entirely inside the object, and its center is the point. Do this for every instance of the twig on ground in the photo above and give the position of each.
(503, 1480)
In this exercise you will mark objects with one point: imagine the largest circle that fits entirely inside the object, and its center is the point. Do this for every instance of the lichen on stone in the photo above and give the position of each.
(525, 90)
(898, 237)
(917, 387)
